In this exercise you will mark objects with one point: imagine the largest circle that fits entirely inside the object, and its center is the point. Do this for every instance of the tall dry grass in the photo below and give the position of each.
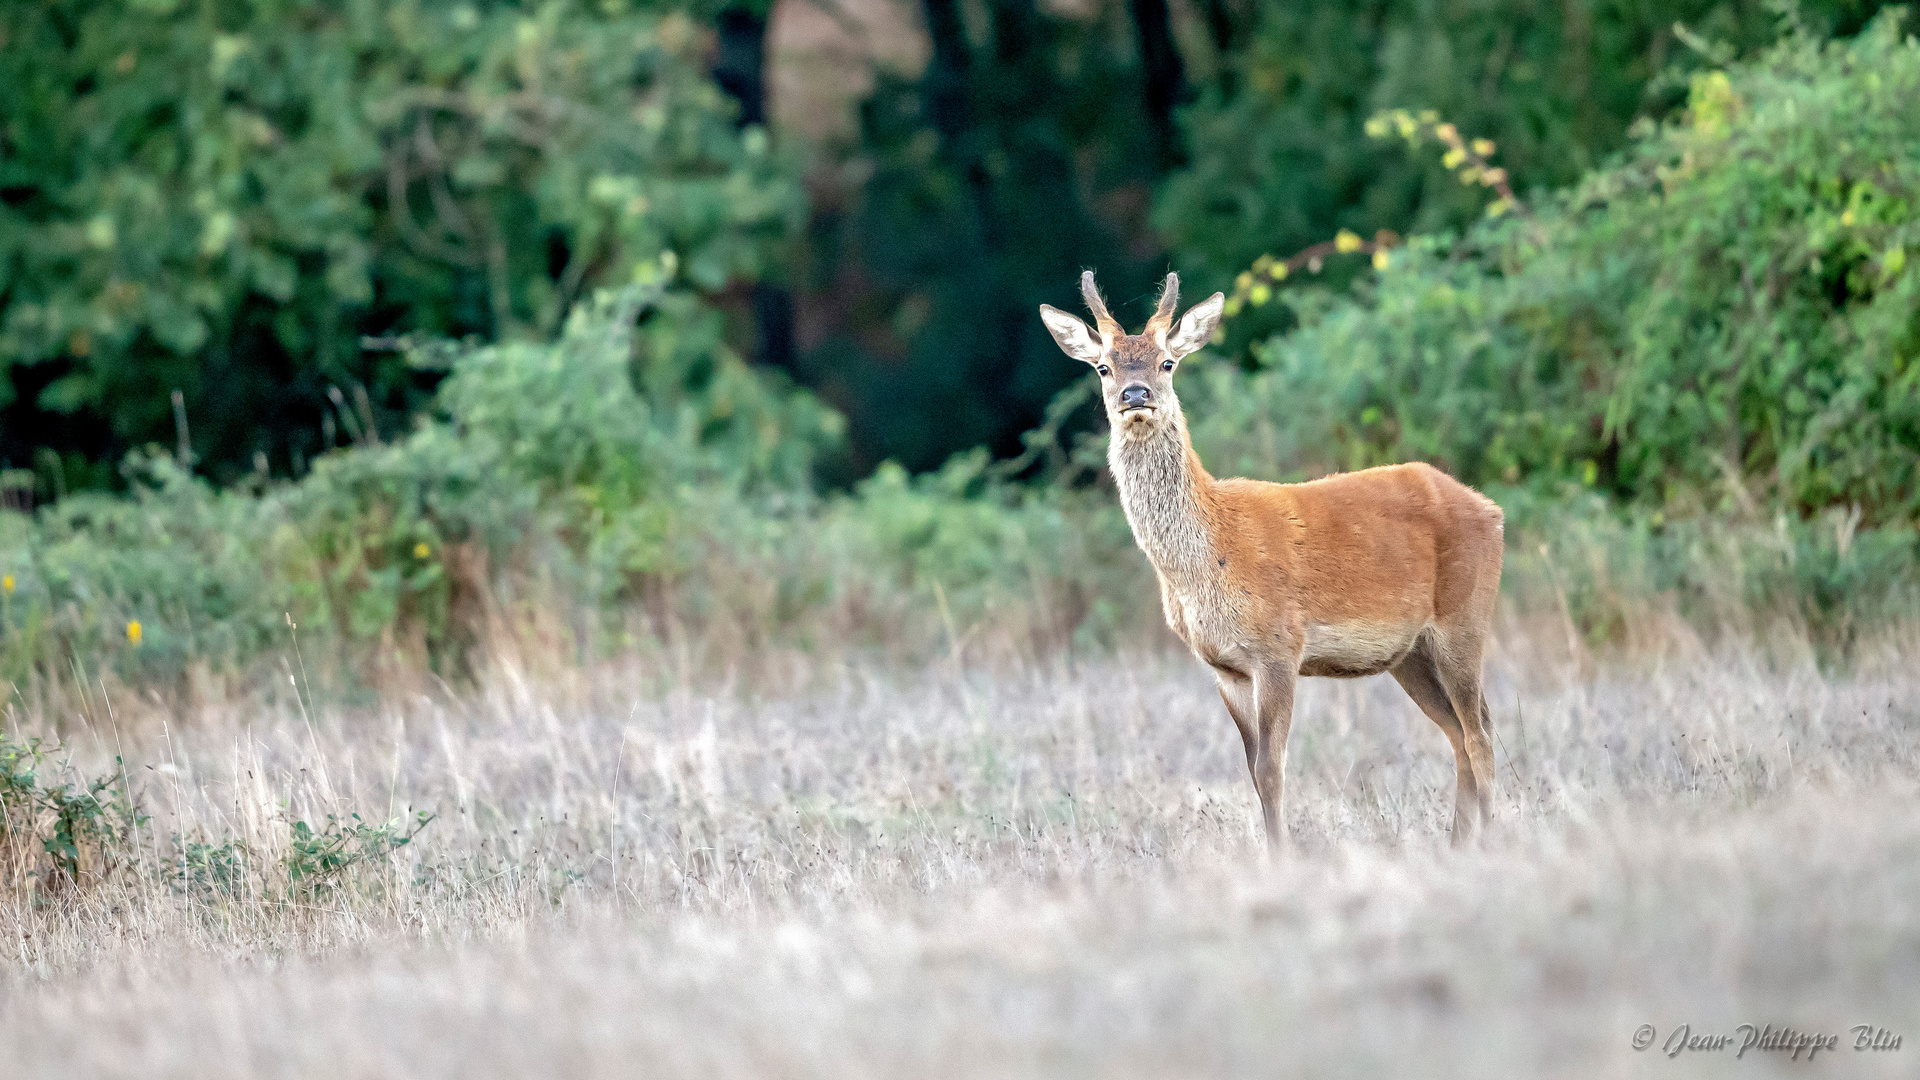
(987, 866)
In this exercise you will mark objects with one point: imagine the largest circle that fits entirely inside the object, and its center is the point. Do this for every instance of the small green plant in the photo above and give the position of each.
(55, 827)
(203, 869)
(317, 860)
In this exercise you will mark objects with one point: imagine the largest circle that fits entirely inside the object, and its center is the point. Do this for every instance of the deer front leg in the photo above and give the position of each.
(1273, 708)
(1236, 689)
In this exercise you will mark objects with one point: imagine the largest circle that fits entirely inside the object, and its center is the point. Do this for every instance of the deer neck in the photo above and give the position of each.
(1164, 490)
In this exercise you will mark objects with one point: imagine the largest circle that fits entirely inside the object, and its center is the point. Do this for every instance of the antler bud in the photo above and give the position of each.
(1102, 321)
(1162, 320)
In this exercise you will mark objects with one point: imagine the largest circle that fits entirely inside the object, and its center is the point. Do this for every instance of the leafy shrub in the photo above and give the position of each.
(204, 869)
(56, 829)
(1605, 571)
(224, 198)
(319, 859)
(1049, 563)
(1280, 159)
(316, 861)
(200, 572)
(1727, 318)
(601, 463)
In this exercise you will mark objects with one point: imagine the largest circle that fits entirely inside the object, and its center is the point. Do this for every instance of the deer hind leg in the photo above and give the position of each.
(1416, 675)
(1456, 660)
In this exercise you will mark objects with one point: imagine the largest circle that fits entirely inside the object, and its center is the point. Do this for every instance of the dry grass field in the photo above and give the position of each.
(1049, 868)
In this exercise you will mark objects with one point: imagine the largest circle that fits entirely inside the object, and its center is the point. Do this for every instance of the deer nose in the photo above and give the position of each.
(1134, 396)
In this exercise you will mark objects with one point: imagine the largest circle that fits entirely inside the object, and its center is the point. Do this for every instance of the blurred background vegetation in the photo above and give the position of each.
(419, 325)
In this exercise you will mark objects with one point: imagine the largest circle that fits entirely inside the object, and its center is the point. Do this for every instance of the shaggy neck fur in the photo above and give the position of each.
(1163, 490)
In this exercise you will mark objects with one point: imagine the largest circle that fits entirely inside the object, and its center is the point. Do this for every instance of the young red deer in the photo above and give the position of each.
(1390, 569)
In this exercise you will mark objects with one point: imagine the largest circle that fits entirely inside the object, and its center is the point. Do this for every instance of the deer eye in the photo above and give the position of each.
(1167, 366)
(1103, 369)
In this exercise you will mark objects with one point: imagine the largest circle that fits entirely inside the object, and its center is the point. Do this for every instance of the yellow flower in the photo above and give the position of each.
(421, 550)
(6, 584)
(1279, 271)
(1446, 131)
(1260, 294)
(1846, 217)
(1346, 241)
(1452, 158)
(1381, 260)
(133, 633)
(1483, 147)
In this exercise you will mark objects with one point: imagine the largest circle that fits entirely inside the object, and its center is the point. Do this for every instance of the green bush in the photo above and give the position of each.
(1725, 319)
(222, 198)
(199, 573)
(1825, 577)
(632, 477)
(58, 830)
(596, 462)
(1280, 159)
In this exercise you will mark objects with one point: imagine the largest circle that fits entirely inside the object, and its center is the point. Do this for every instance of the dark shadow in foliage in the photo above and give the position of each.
(1019, 158)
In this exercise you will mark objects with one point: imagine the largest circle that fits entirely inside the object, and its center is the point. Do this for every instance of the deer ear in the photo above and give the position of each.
(1196, 326)
(1071, 334)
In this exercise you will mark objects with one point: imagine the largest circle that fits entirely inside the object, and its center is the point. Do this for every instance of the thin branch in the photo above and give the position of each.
(444, 204)
(417, 238)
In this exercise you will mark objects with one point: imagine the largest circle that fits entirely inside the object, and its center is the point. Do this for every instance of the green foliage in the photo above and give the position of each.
(223, 198)
(203, 869)
(970, 546)
(596, 448)
(317, 860)
(314, 863)
(81, 827)
(1606, 571)
(233, 198)
(1280, 158)
(206, 575)
(610, 414)
(1725, 319)
(603, 462)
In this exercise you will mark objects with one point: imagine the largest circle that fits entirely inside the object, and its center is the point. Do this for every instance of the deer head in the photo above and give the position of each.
(1136, 370)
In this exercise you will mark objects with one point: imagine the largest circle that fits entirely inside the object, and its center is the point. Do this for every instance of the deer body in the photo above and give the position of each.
(1394, 569)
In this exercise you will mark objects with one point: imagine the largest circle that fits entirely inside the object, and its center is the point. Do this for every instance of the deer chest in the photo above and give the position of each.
(1202, 614)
